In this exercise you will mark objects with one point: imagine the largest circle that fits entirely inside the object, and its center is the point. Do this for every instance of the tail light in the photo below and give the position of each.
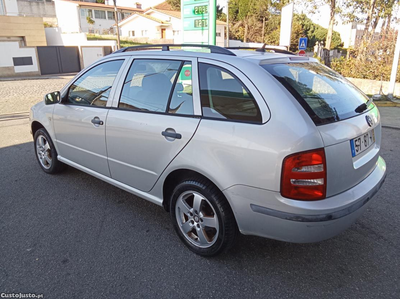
(304, 175)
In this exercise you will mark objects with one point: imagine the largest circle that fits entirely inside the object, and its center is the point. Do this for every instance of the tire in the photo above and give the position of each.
(202, 217)
(46, 153)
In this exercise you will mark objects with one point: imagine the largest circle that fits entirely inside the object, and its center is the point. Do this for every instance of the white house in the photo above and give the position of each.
(160, 24)
(72, 16)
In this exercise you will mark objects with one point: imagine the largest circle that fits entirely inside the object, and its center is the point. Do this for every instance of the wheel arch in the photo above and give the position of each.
(176, 176)
(36, 126)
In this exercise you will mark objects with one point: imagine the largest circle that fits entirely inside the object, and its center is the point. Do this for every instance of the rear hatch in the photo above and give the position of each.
(350, 130)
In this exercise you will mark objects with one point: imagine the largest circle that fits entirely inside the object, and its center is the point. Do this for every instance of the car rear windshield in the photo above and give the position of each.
(324, 94)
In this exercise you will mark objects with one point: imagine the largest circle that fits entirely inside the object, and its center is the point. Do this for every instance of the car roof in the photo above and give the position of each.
(252, 56)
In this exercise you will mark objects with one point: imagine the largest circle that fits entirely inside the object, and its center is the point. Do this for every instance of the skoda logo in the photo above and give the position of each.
(369, 120)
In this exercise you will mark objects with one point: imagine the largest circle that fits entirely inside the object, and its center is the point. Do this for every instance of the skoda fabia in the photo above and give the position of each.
(264, 143)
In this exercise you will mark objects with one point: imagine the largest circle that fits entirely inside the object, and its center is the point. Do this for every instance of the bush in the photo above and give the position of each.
(373, 69)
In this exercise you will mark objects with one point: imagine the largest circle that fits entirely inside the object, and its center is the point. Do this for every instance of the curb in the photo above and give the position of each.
(63, 76)
(386, 104)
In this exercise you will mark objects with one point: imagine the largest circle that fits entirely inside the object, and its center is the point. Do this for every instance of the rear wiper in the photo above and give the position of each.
(364, 106)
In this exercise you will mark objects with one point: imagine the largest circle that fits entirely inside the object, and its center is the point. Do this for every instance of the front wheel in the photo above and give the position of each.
(202, 217)
(46, 153)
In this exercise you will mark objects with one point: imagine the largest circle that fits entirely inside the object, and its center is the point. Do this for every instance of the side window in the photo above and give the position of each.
(93, 88)
(148, 85)
(182, 97)
(224, 96)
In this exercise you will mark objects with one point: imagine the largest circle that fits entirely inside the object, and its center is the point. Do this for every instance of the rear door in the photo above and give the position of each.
(350, 130)
(80, 120)
(155, 115)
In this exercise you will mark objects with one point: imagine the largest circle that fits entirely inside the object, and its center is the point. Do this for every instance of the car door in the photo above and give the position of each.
(155, 116)
(79, 120)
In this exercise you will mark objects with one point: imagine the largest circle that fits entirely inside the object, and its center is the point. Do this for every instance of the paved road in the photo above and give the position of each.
(73, 236)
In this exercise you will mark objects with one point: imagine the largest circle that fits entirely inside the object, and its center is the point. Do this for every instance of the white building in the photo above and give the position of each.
(72, 16)
(160, 24)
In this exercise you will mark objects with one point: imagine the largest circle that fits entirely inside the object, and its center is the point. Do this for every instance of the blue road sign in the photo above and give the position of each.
(303, 43)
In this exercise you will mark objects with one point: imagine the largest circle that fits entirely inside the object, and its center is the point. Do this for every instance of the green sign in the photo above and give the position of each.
(199, 21)
(201, 10)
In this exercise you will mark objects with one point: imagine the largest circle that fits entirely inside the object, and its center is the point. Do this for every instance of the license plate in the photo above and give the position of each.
(362, 143)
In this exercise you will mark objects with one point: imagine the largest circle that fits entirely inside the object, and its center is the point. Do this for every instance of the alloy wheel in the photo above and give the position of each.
(43, 151)
(197, 219)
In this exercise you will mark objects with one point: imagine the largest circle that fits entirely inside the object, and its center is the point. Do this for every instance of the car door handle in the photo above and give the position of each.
(97, 121)
(171, 134)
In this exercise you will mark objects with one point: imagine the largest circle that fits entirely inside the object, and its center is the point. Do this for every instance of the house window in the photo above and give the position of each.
(100, 14)
(218, 34)
(175, 32)
(83, 12)
(18, 61)
(144, 32)
(110, 15)
(132, 33)
(125, 15)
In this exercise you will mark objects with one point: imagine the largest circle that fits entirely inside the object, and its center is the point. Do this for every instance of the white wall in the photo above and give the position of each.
(54, 37)
(11, 7)
(176, 25)
(12, 49)
(91, 54)
(68, 16)
(139, 24)
(36, 9)
(220, 40)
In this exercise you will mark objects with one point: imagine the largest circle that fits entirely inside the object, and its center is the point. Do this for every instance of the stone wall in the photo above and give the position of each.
(372, 87)
(30, 28)
(36, 9)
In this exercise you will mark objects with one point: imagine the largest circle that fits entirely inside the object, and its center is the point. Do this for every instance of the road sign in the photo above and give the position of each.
(302, 53)
(303, 43)
(199, 21)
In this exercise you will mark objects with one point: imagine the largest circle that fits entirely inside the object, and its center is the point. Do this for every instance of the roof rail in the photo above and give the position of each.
(166, 47)
(264, 48)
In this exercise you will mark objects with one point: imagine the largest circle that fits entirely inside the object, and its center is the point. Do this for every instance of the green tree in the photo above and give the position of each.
(90, 21)
(369, 13)
(175, 4)
(312, 6)
(220, 14)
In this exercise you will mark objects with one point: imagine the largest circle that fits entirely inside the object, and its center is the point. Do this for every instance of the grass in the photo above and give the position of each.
(124, 43)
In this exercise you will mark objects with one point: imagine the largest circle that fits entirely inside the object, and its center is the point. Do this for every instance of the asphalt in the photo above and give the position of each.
(74, 236)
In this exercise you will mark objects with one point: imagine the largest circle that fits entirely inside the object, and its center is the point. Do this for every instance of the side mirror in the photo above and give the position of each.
(52, 98)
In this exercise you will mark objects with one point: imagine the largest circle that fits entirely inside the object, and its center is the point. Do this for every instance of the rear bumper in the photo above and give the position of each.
(267, 214)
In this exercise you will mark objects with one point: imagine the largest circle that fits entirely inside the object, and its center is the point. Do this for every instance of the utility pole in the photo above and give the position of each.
(395, 65)
(116, 21)
(227, 23)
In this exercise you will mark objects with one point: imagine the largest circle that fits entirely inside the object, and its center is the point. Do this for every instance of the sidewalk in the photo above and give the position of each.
(390, 117)
(52, 76)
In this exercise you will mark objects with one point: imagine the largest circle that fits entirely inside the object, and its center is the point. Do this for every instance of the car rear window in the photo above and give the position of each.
(324, 94)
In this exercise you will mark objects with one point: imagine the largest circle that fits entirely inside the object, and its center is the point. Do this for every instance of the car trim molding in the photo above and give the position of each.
(318, 218)
(142, 194)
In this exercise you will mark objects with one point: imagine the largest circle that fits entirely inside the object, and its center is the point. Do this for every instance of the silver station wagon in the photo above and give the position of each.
(261, 142)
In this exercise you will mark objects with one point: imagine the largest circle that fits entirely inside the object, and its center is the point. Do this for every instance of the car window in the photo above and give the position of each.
(182, 96)
(326, 95)
(224, 96)
(93, 88)
(148, 85)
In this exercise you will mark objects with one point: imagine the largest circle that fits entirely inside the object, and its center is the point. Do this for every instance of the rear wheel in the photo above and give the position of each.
(46, 153)
(202, 217)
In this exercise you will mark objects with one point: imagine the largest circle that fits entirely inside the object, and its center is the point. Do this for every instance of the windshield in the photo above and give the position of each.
(323, 93)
